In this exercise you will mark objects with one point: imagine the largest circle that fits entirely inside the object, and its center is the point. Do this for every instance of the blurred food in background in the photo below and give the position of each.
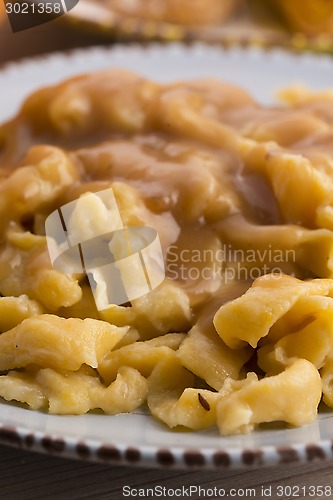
(291, 24)
(296, 24)
(2, 13)
(312, 17)
(187, 12)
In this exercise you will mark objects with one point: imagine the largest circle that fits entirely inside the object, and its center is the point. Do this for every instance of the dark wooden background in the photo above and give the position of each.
(29, 476)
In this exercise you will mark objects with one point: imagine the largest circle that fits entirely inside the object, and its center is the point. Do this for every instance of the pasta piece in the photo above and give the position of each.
(87, 105)
(325, 214)
(290, 249)
(292, 396)
(143, 356)
(24, 240)
(13, 310)
(84, 308)
(58, 343)
(171, 399)
(171, 340)
(326, 374)
(46, 173)
(223, 97)
(75, 393)
(307, 333)
(79, 108)
(29, 272)
(22, 387)
(249, 318)
(129, 338)
(296, 95)
(183, 111)
(92, 216)
(203, 343)
(134, 212)
(283, 127)
(291, 177)
(165, 309)
(54, 289)
(193, 263)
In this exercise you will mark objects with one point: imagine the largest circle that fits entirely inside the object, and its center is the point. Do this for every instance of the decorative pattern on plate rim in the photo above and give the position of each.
(177, 458)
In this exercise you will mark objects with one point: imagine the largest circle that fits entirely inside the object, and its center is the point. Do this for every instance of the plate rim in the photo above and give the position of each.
(190, 46)
(173, 457)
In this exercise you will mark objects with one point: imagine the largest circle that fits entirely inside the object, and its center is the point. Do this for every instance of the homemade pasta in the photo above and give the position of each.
(240, 332)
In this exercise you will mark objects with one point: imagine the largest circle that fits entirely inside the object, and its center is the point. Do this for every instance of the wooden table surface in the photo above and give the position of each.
(30, 476)
(33, 476)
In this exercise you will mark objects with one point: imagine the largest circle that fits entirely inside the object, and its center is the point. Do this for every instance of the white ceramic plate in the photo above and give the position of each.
(137, 438)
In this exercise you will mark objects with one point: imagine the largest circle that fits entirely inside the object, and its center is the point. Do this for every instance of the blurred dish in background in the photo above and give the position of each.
(187, 12)
(311, 17)
(228, 22)
(2, 13)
